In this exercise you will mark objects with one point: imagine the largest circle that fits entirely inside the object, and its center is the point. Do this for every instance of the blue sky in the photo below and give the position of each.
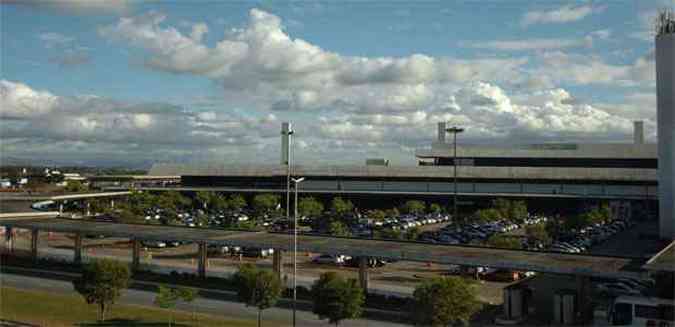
(124, 82)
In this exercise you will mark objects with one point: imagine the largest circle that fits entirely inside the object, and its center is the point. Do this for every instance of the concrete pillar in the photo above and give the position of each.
(363, 273)
(34, 240)
(112, 203)
(201, 262)
(583, 286)
(135, 254)
(9, 239)
(278, 263)
(77, 255)
(88, 208)
(61, 207)
(665, 93)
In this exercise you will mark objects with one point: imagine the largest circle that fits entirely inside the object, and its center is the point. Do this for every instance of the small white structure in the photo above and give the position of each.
(73, 177)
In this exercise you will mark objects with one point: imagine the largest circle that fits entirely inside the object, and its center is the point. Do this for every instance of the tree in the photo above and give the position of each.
(341, 207)
(236, 202)
(166, 299)
(310, 207)
(337, 228)
(445, 300)
(487, 215)
(538, 233)
(393, 212)
(336, 298)
(205, 199)
(264, 204)
(75, 187)
(503, 242)
(219, 203)
(435, 208)
(413, 207)
(188, 295)
(412, 234)
(377, 215)
(258, 288)
(511, 210)
(102, 282)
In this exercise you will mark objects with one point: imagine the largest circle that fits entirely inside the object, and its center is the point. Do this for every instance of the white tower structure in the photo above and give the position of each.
(665, 92)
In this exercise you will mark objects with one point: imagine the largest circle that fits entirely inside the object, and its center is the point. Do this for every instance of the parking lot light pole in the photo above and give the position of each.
(296, 182)
(454, 130)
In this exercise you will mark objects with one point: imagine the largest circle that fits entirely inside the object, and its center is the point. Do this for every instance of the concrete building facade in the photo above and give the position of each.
(665, 91)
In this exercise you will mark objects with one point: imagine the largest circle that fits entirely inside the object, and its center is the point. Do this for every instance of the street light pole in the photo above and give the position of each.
(454, 130)
(296, 182)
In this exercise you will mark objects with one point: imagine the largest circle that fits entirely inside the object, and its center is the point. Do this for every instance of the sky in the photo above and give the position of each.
(131, 83)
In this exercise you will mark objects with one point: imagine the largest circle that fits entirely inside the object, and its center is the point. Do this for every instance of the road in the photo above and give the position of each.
(216, 307)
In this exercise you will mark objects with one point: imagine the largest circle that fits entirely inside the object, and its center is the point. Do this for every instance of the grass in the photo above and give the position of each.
(49, 309)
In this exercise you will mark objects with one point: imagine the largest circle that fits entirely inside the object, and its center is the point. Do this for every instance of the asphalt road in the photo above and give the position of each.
(279, 316)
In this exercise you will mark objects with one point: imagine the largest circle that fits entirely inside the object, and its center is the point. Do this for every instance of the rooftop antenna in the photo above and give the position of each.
(665, 22)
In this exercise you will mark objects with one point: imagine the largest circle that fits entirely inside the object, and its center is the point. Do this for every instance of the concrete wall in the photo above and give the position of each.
(665, 91)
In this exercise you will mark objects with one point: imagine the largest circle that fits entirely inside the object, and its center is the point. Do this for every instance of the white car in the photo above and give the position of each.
(328, 259)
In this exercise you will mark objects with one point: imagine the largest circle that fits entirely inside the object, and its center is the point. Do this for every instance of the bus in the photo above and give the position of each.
(641, 311)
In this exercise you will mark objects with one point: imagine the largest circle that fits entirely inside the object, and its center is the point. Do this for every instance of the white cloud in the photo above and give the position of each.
(564, 14)
(28, 115)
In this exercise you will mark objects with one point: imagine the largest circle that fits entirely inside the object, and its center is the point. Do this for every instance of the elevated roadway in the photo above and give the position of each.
(580, 265)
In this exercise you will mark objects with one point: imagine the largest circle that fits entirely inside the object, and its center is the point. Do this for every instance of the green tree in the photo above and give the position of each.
(576, 222)
(487, 215)
(538, 232)
(511, 210)
(336, 298)
(219, 203)
(310, 207)
(76, 187)
(258, 288)
(445, 300)
(341, 207)
(435, 208)
(337, 228)
(188, 295)
(393, 212)
(264, 204)
(166, 298)
(236, 202)
(377, 215)
(503, 242)
(412, 234)
(204, 199)
(413, 207)
(102, 282)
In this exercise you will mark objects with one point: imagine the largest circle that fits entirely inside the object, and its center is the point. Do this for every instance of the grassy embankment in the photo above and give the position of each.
(48, 309)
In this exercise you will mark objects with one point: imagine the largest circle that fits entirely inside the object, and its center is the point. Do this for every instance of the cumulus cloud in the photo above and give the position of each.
(488, 112)
(564, 14)
(262, 55)
(35, 115)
